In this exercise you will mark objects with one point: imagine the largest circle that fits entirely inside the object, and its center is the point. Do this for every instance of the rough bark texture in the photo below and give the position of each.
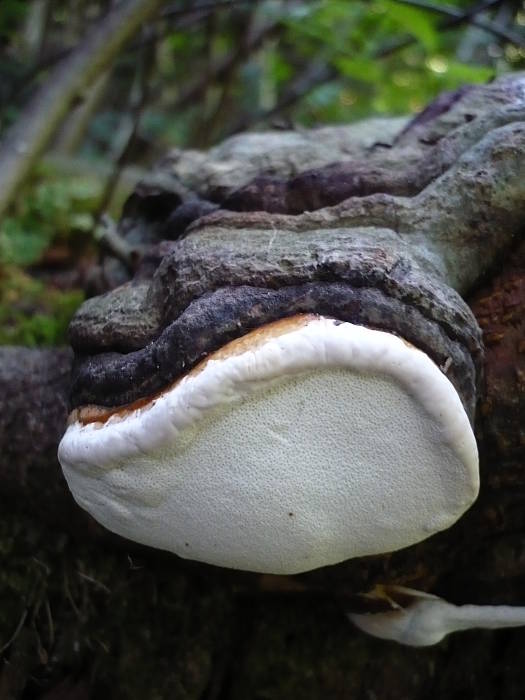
(213, 320)
(34, 388)
(86, 614)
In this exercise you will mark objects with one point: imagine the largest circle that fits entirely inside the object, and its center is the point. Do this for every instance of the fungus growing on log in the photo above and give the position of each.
(225, 406)
(304, 443)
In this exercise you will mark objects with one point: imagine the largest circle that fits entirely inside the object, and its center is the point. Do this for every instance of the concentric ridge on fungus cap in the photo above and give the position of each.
(302, 444)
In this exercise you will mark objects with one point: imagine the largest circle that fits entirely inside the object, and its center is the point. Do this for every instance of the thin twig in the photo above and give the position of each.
(69, 595)
(176, 11)
(17, 631)
(312, 76)
(97, 584)
(50, 624)
(119, 247)
(110, 238)
(487, 25)
(450, 23)
(248, 39)
(222, 68)
(184, 20)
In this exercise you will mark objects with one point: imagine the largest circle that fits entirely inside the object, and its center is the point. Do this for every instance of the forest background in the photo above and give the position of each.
(192, 75)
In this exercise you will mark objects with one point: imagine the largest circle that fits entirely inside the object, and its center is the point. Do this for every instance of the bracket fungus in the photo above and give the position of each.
(304, 443)
(303, 414)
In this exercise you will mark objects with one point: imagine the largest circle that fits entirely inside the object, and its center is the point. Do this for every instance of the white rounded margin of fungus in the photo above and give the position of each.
(427, 619)
(304, 443)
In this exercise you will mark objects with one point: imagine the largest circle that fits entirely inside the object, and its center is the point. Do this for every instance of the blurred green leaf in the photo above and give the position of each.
(412, 20)
(19, 246)
(367, 70)
(31, 313)
(464, 72)
(82, 221)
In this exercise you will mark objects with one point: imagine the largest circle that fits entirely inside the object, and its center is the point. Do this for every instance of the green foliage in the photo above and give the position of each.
(412, 20)
(54, 213)
(12, 12)
(20, 245)
(391, 58)
(388, 58)
(32, 313)
(47, 212)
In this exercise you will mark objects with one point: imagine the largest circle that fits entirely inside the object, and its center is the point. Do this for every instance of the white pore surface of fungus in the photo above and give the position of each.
(302, 444)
